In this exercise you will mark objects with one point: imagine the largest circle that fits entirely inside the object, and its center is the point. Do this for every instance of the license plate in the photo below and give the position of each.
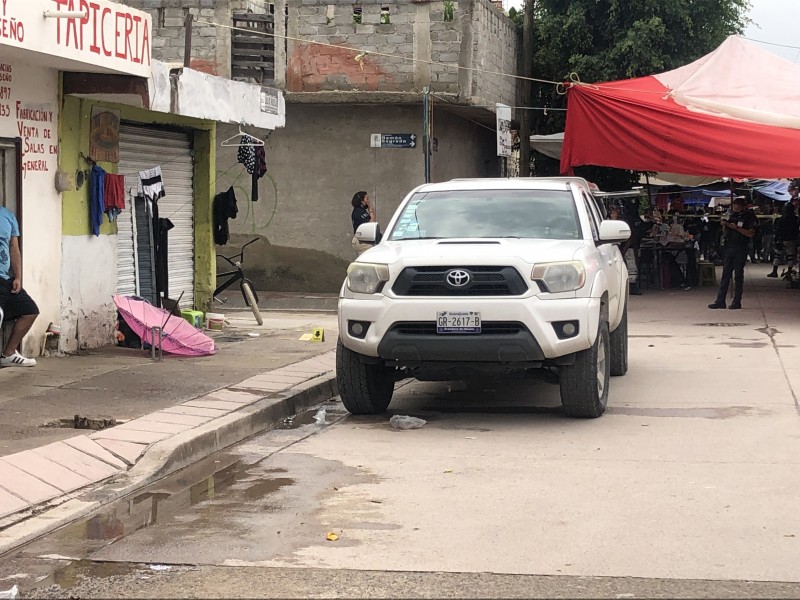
(458, 322)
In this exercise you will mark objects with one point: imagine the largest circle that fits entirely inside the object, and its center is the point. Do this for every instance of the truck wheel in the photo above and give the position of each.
(619, 346)
(365, 389)
(584, 385)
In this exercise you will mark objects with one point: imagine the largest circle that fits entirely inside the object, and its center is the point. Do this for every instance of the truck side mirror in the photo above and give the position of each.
(369, 233)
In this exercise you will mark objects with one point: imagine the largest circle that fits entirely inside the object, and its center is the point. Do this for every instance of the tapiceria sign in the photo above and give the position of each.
(109, 36)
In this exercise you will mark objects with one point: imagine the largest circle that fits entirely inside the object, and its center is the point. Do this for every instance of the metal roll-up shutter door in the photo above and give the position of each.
(126, 251)
(142, 148)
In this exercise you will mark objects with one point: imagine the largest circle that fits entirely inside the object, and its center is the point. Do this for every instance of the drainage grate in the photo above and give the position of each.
(722, 324)
(80, 422)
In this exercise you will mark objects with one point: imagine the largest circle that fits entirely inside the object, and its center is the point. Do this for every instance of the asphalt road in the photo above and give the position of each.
(686, 488)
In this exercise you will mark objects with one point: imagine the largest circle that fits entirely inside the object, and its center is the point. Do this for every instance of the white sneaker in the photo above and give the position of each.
(16, 360)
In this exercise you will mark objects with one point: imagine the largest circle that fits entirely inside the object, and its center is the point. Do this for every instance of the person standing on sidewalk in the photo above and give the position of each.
(15, 304)
(740, 227)
(362, 213)
(787, 231)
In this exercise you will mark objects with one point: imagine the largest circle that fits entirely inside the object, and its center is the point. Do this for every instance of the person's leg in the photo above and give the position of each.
(777, 261)
(21, 308)
(740, 258)
(21, 328)
(791, 254)
(766, 248)
(725, 280)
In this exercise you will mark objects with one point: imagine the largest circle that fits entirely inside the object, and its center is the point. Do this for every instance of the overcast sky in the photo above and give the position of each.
(776, 21)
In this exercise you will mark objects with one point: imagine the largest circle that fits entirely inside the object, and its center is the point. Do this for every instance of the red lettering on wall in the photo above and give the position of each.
(137, 58)
(119, 35)
(102, 30)
(128, 31)
(59, 4)
(94, 7)
(106, 11)
(84, 8)
(145, 53)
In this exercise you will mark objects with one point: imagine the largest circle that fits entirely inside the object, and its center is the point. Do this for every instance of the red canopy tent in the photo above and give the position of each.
(733, 113)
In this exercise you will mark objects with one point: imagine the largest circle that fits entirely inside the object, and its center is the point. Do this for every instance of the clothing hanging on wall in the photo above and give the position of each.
(97, 193)
(225, 207)
(254, 159)
(114, 195)
(151, 184)
(162, 256)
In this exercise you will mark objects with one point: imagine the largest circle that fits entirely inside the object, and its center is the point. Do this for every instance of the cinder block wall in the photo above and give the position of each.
(211, 46)
(478, 36)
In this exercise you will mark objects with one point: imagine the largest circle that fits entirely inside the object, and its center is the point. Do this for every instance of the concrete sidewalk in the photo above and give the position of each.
(168, 407)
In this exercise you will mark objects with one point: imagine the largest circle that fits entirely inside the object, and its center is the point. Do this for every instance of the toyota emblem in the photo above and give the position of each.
(458, 278)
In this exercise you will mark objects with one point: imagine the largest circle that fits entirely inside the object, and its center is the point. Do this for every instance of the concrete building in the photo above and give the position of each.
(81, 93)
(348, 70)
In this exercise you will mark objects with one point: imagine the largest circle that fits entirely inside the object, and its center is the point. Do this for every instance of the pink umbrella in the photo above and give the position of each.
(179, 337)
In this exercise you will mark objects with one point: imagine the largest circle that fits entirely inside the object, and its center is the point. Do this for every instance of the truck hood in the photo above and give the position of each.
(471, 251)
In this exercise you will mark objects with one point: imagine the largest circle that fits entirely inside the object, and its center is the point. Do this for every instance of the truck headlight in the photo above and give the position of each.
(560, 276)
(366, 278)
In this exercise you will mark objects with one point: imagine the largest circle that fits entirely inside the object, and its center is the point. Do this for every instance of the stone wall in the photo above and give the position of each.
(211, 46)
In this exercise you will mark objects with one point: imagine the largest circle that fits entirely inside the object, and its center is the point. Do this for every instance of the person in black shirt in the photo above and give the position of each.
(740, 227)
(362, 211)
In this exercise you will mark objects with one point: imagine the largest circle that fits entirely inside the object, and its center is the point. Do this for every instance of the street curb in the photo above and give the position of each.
(171, 455)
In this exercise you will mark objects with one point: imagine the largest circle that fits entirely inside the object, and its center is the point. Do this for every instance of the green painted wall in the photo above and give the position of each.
(74, 140)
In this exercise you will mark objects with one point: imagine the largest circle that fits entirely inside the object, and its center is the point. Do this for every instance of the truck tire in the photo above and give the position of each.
(619, 346)
(584, 385)
(365, 389)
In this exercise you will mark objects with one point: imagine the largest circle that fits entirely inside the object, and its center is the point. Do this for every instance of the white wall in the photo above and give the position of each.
(88, 281)
(35, 89)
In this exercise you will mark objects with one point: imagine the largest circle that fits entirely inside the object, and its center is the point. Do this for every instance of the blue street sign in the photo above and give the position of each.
(393, 140)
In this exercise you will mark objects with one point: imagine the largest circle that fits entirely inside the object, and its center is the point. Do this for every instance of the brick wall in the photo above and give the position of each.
(210, 45)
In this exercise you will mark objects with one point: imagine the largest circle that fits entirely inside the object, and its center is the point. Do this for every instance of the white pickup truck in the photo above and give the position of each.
(477, 277)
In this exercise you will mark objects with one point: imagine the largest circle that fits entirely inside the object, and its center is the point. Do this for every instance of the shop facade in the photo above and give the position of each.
(80, 95)
(122, 258)
(36, 46)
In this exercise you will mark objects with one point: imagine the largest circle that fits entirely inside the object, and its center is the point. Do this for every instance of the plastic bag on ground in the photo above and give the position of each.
(9, 594)
(406, 422)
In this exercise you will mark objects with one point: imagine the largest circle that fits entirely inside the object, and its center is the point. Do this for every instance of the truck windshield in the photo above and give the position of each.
(537, 214)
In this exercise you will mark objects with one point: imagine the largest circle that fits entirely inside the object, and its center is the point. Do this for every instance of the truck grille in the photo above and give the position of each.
(484, 281)
(487, 328)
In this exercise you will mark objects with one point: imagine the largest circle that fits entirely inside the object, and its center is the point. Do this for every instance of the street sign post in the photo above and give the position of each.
(393, 140)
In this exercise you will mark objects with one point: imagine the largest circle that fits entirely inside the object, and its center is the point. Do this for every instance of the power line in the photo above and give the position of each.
(772, 43)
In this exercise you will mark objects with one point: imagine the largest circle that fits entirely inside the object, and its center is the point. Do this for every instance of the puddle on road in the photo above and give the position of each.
(72, 574)
(206, 480)
(162, 501)
(727, 412)
(304, 418)
(157, 505)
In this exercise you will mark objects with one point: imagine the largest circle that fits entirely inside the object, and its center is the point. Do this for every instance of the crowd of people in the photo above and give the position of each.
(729, 237)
